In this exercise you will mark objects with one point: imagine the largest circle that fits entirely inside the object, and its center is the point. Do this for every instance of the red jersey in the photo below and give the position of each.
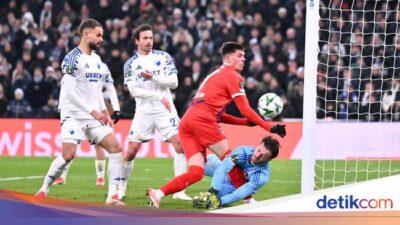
(218, 90)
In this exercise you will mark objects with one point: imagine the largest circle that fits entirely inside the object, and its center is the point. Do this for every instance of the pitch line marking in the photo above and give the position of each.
(20, 178)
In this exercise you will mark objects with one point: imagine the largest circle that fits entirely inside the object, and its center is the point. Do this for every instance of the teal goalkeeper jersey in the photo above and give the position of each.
(256, 174)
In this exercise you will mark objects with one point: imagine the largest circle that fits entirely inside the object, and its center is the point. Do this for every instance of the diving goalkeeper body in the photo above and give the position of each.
(254, 162)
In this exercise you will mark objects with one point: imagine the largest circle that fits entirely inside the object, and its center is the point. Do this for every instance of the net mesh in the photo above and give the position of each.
(358, 98)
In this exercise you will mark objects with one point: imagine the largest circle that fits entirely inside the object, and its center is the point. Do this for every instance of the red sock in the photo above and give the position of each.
(193, 175)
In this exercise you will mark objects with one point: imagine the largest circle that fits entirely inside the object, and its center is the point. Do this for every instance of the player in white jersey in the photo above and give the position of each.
(100, 161)
(149, 75)
(83, 111)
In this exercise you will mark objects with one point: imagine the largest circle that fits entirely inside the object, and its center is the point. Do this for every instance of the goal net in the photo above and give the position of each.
(352, 130)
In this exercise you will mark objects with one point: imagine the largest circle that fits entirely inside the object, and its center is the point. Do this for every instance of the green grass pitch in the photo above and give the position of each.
(25, 174)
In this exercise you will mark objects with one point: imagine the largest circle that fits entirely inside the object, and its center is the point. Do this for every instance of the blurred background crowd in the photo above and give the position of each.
(35, 35)
(359, 60)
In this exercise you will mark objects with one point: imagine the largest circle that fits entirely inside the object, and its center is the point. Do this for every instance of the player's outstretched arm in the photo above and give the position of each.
(256, 181)
(229, 119)
(245, 190)
(243, 105)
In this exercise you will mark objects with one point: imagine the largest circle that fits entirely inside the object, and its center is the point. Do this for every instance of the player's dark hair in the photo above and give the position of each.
(231, 47)
(89, 23)
(141, 28)
(272, 145)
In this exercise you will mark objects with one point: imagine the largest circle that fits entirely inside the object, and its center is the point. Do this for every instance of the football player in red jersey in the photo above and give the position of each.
(199, 128)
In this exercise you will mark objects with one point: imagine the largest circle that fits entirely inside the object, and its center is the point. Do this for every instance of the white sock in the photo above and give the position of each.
(55, 170)
(114, 173)
(180, 164)
(159, 193)
(127, 167)
(100, 166)
(65, 170)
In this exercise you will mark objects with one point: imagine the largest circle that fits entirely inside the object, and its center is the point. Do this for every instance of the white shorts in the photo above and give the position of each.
(76, 130)
(143, 126)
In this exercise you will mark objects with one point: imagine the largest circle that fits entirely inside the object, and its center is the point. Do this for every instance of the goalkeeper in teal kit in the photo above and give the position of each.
(254, 162)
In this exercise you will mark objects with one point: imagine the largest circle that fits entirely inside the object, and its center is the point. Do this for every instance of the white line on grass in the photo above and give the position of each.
(133, 178)
(20, 178)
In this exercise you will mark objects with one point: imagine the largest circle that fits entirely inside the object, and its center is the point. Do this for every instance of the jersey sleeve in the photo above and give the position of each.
(68, 84)
(240, 193)
(235, 85)
(107, 74)
(109, 84)
(259, 178)
(70, 64)
(128, 72)
(170, 79)
(170, 69)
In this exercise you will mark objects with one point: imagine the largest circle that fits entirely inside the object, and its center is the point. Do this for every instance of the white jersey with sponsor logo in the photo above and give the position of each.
(160, 63)
(90, 74)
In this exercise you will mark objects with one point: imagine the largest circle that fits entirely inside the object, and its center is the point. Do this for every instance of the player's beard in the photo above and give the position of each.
(93, 46)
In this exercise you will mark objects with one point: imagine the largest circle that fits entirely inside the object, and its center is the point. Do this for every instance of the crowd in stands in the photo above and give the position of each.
(359, 61)
(36, 35)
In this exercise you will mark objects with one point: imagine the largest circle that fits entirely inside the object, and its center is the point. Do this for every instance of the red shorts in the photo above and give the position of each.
(196, 134)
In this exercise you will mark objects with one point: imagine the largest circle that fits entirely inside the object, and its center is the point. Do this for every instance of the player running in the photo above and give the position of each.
(200, 129)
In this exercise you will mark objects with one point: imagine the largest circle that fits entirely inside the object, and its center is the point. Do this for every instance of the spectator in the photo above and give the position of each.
(20, 77)
(3, 102)
(19, 108)
(184, 95)
(65, 25)
(38, 90)
(68, 12)
(46, 13)
(52, 78)
(191, 31)
(4, 77)
(50, 110)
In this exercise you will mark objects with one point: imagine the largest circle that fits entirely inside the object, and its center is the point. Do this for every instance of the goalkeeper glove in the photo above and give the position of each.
(279, 130)
(116, 116)
(213, 202)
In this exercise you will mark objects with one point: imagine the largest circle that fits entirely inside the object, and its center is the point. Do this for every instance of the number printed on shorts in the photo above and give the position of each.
(173, 122)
